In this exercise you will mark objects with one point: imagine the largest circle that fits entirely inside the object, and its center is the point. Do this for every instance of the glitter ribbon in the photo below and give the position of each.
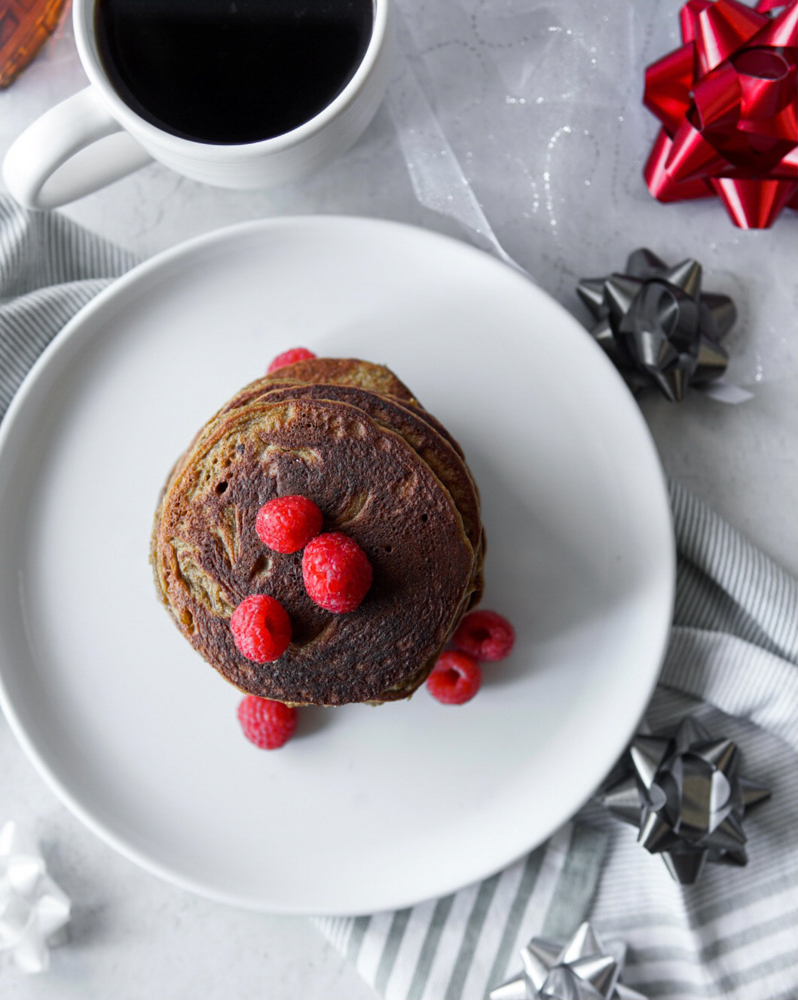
(33, 909)
(727, 102)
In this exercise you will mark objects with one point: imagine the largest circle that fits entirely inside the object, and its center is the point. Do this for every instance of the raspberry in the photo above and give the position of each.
(267, 724)
(336, 571)
(485, 635)
(261, 628)
(289, 358)
(455, 678)
(287, 524)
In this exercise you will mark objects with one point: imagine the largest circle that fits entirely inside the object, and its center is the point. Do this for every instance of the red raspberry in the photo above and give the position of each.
(455, 678)
(267, 724)
(290, 358)
(485, 635)
(287, 524)
(336, 571)
(261, 628)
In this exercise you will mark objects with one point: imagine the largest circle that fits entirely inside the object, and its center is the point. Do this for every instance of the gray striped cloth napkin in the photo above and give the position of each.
(732, 663)
(49, 269)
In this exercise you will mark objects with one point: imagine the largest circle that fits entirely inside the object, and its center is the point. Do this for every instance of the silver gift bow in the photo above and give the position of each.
(33, 909)
(687, 797)
(657, 326)
(578, 970)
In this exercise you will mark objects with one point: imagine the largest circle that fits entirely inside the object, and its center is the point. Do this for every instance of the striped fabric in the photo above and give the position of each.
(49, 269)
(462, 944)
(732, 661)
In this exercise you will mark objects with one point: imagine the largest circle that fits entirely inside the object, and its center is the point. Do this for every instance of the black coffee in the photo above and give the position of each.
(231, 71)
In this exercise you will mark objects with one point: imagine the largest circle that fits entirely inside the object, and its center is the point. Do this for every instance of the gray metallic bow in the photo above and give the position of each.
(657, 326)
(577, 970)
(687, 797)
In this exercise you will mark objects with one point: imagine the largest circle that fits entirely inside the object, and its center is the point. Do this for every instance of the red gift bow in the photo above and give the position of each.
(727, 102)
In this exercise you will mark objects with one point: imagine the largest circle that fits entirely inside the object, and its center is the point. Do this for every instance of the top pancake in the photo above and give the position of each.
(346, 371)
(420, 429)
(368, 483)
(422, 438)
(354, 372)
(255, 389)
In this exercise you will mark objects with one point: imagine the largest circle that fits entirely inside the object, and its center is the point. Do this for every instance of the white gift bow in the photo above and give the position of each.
(32, 907)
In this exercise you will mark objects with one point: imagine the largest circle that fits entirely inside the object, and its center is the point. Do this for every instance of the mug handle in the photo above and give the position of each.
(74, 149)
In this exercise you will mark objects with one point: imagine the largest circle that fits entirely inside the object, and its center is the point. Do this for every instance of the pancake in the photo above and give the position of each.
(422, 438)
(346, 371)
(417, 427)
(369, 483)
(254, 390)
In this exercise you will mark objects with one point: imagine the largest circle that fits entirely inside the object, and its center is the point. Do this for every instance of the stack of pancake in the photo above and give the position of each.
(351, 437)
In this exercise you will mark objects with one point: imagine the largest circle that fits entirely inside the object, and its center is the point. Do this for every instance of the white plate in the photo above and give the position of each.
(367, 808)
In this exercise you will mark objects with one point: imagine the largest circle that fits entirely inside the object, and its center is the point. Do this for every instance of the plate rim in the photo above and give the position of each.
(141, 272)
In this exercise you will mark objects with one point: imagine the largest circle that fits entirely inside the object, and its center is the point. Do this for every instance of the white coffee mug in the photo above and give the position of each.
(94, 138)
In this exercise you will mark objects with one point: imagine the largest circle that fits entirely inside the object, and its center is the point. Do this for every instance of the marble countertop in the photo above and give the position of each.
(561, 188)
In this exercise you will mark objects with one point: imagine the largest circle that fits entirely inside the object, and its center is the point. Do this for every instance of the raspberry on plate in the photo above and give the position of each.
(261, 628)
(267, 724)
(336, 571)
(455, 678)
(287, 524)
(290, 358)
(485, 635)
